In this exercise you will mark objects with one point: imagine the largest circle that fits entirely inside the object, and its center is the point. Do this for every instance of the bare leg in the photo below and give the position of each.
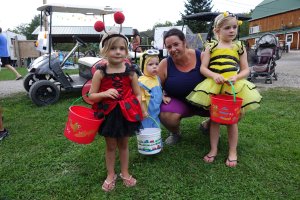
(124, 155)
(110, 157)
(128, 180)
(232, 143)
(11, 68)
(171, 121)
(214, 140)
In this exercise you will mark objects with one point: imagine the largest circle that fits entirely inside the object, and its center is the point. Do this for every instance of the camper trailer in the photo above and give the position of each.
(11, 38)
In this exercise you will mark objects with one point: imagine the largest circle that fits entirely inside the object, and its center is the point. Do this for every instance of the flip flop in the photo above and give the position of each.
(231, 163)
(109, 186)
(209, 159)
(128, 182)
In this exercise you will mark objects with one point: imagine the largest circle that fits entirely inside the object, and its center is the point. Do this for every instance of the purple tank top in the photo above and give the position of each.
(179, 84)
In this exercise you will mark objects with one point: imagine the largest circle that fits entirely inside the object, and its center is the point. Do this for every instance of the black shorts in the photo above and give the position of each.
(6, 61)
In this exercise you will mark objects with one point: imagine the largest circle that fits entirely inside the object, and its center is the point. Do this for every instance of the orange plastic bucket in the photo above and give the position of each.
(82, 126)
(225, 109)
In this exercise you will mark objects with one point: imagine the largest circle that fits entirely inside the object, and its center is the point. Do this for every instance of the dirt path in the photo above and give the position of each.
(288, 70)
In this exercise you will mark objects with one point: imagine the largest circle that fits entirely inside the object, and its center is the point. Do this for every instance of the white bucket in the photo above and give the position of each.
(149, 141)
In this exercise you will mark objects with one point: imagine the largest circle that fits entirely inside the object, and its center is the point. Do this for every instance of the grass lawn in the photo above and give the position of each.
(6, 74)
(38, 162)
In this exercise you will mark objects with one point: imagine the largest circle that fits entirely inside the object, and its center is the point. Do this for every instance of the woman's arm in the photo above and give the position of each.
(162, 71)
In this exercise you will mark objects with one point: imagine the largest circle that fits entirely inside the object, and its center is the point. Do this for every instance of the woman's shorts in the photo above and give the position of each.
(183, 108)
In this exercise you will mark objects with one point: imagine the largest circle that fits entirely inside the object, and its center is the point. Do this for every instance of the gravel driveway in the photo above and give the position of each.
(288, 70)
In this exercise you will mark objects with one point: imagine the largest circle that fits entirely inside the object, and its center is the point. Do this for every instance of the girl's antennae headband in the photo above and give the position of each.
(119, 18)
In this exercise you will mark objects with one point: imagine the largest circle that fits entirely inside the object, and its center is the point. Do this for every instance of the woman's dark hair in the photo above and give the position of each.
(135, 32)
(174, 32)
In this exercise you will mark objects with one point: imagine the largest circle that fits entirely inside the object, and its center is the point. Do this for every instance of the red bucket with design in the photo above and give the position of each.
(225, 109)
(82, 126)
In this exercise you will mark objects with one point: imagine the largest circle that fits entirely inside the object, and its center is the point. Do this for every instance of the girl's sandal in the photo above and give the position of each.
(209, 159)
(109, 186)
(128, 182)
(231, 163)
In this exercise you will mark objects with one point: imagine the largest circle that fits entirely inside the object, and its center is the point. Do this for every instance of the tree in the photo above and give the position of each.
(244, 28)
(167, 23)
(27, 29)
(193, 7)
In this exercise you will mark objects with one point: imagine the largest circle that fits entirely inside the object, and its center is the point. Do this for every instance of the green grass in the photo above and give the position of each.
(6, 74)
(38, 162)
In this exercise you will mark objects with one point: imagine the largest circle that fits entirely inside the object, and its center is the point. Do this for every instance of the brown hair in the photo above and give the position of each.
(174, 32)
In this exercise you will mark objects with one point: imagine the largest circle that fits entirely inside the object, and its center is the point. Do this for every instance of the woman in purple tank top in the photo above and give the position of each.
(179, 74)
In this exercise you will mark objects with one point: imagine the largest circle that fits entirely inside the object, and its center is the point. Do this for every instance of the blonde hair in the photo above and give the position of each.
(221, 19)
(109, 39)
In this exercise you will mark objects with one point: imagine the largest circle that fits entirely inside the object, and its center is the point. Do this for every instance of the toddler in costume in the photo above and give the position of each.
(116, 95)
(220, 65)
(151, 90)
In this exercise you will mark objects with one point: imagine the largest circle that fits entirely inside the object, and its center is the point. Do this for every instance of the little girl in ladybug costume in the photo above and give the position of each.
(116, 95)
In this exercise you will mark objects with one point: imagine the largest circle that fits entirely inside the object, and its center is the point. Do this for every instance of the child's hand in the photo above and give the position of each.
(218, 78)
(166, 99)
(145, 114)
(111, 93)
(232, 79)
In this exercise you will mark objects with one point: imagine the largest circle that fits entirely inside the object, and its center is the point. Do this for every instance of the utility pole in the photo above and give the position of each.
(45, 21)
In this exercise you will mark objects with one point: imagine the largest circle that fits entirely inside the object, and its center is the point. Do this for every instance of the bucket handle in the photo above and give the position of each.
(79, 99)
(76, 100)
(232, 89)
(154, 121)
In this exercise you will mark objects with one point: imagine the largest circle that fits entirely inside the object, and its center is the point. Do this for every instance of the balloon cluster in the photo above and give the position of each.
(118, 17)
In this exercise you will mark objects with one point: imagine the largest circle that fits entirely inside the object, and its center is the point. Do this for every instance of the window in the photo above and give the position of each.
(254, 29)
(289, 38)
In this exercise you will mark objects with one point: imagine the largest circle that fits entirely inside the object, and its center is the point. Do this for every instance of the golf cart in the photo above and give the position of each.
(46, 78)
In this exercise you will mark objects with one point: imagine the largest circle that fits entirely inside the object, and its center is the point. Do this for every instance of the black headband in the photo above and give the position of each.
(113, 35)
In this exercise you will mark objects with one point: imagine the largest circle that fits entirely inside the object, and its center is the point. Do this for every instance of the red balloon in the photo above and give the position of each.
(119, 17)
(99, 26)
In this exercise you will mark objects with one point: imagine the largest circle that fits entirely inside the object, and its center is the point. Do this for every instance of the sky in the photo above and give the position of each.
(139, 14)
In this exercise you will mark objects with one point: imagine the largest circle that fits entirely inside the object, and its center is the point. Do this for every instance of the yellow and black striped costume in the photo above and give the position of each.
(225, 61)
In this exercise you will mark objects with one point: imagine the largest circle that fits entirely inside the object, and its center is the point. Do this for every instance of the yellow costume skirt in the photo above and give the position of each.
(244, 89)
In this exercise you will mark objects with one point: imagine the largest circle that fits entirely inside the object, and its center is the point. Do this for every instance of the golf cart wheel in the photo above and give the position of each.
(44, 93)
(29, 80)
